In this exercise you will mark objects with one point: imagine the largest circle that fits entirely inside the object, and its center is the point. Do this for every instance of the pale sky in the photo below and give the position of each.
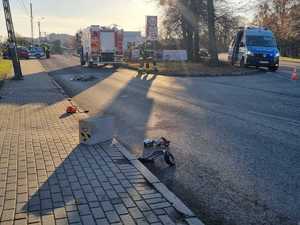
(67, 16)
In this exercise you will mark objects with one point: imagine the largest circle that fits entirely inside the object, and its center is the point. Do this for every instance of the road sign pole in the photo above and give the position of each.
(12, 41)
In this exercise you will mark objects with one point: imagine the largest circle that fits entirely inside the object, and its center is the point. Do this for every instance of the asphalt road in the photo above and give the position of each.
(236, 140)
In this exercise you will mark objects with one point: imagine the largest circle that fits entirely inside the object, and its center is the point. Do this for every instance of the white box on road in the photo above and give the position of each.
(96, 130)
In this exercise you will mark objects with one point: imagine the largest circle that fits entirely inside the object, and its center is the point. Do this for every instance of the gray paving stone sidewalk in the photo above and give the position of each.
(46, 177)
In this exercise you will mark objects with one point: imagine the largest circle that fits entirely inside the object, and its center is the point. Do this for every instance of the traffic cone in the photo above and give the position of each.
(294, 75)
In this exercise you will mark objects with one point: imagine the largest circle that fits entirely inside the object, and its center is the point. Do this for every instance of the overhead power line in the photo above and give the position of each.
(23, 7)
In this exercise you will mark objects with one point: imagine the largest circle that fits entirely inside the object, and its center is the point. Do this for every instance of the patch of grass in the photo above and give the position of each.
(190, 68)
(5, 68)
(297, 60)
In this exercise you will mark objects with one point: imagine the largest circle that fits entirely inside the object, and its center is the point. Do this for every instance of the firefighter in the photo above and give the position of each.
(146, 57)
(46, 50)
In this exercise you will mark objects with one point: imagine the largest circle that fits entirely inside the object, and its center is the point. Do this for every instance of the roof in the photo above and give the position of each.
(258, 31)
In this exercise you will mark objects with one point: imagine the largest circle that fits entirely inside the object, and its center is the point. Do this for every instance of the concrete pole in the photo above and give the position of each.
(40, 35)
(12, 41)
(31, 22)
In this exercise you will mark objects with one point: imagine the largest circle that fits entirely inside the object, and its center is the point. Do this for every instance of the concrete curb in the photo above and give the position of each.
(190, 217)
(246, 73)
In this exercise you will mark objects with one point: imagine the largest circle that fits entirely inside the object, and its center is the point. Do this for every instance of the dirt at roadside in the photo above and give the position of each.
(196, 69)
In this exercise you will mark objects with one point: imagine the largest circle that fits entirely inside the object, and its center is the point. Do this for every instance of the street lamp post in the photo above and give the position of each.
(39, 26)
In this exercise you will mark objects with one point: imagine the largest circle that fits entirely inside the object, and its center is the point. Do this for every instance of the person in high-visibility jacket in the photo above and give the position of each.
(46, 50)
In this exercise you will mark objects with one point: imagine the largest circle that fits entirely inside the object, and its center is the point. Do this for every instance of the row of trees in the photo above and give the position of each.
(191, 22)
(283, 17)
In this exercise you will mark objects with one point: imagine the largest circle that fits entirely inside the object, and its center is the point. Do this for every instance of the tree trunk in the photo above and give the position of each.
(190, 44)
(211, 33)
(187, 37)
(196, 44)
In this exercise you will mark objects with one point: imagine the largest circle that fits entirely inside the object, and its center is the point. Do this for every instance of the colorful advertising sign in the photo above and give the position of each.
(151, 28)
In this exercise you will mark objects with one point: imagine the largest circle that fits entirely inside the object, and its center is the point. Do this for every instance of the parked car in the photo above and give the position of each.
(22, 52)
(36, 52)
(203, 52)
(254, 46)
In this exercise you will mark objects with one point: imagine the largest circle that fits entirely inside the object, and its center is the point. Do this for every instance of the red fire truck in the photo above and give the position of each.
(101, 46)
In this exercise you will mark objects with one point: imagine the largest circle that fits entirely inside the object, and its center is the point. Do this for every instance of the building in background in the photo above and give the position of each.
(132, 39)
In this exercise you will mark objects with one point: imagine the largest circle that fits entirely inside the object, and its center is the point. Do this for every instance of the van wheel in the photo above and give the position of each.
(82, 61)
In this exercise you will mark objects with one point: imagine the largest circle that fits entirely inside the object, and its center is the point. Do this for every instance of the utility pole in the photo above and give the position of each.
(12, 41)
(39, 27)
(40, 35)
(31, 22)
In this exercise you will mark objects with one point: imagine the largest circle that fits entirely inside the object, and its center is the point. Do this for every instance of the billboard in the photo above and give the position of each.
(174, 55)
(151, 28)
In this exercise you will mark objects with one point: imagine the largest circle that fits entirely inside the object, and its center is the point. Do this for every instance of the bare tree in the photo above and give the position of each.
(197, 22)
(295, 24)
(282, 17)
(211, 33)
(183, 17)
